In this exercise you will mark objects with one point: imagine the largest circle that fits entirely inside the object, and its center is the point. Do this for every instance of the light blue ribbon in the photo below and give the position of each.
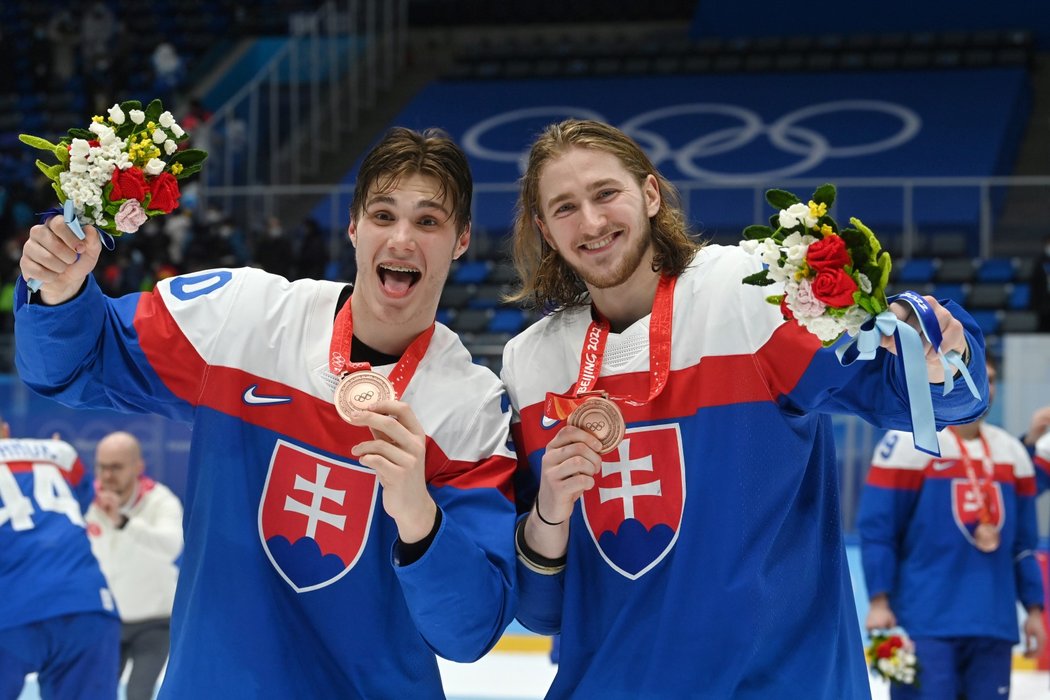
(913, 358)
(69, 215)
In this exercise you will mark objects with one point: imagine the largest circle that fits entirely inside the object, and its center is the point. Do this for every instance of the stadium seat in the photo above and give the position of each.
(995, 270)
(955, 270)
(456, 296)
(470, 271)
(486, 296)
(509, 321)
(916, 270)
(1020, 322)
(471, 320)
(1020, 297)
(987, 319)
(951, 290)
(988, 296)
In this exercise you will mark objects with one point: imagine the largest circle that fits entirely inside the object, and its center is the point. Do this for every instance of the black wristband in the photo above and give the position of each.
(411, 552)
(532, 559)
(540, 515)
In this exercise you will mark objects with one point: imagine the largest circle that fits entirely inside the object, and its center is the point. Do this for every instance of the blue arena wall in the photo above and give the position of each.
(732, 131)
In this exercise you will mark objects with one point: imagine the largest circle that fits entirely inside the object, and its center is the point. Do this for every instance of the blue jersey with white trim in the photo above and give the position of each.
(288, 586)
(46, 565)
(708, 559)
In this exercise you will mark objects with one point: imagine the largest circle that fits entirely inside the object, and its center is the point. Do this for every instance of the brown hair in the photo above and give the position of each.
(546, 280)
(404, 152)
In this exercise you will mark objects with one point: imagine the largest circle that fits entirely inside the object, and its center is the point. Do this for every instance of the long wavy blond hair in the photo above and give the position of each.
(546, 281)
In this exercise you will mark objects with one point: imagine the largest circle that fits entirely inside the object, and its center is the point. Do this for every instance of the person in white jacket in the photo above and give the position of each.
(135, 526)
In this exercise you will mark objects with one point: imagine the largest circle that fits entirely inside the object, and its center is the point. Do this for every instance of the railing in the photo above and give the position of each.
(299, 106)
(1004, 215)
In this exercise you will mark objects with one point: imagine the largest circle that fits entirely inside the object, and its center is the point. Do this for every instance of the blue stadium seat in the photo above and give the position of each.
(987, 319)
(954, 291)
(471, 271)
(444, 316)
(507, 321)
(1020, 297)
(996, 270)
(916, 270)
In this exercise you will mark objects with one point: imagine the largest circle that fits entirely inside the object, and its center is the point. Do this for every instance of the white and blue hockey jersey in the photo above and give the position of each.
(288, 587)
(708, 559)
(917, 519)
(46, 565)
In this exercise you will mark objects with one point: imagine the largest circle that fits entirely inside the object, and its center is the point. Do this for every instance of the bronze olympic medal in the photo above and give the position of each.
(359, 391)
(601, 418)
(986, 537)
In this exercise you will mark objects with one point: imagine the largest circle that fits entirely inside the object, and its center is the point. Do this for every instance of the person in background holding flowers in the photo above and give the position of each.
(330, 551)
(948, 546)
(703, 554)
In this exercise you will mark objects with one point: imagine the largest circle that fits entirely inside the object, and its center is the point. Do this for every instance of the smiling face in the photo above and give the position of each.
(596, 215)
(406, 238)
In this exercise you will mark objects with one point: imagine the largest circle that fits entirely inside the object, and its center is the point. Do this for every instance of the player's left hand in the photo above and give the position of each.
(953, 337)
(1034, 634)
(397, 453)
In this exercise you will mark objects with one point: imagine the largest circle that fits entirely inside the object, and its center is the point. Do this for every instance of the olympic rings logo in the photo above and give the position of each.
(365, 395)
(595, 426)
(788, 134)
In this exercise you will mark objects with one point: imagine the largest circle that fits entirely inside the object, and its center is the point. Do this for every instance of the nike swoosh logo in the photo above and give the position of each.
(253, 399)
(548, 423)
(941, 466)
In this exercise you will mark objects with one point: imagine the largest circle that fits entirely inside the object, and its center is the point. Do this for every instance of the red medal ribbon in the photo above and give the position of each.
(339, 352)
(559, 406)
(975, 484)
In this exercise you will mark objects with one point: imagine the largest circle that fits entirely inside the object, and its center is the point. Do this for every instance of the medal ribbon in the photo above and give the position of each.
(975, 485)
(559, 406)
(339, 352)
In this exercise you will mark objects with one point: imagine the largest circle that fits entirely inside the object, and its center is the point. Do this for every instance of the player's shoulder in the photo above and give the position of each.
(897, 450)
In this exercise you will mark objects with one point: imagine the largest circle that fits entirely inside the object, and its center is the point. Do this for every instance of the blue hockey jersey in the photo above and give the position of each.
(288, 587)
(46, 565)
(916, 522)
(708, 559)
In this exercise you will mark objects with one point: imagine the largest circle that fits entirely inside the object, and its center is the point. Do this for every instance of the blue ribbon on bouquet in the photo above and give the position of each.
(916, 379)
(69, 215)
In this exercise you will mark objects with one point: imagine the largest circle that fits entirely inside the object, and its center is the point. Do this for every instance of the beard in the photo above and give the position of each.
(621, 271)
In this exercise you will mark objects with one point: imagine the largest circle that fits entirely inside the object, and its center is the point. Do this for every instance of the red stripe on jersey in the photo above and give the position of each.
(717, 380)
(74, 474)
(161, 338)
(495, 472)
(1041, 463)
(786, 355)
(889, 478)
(1026, 486)
(20, 467)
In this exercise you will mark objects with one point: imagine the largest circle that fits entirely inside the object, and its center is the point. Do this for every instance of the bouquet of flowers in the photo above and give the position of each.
(892, 656)
(123, 169)
(834, 279)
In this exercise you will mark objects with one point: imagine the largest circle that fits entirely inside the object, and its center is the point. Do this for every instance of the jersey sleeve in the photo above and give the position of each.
(129, 354)
(886, 506)
(1026, 568)
(1041, 461)
(461, 592)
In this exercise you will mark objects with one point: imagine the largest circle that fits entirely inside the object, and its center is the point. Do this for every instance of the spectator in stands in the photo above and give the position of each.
(948, 548)
(312, 258)
(274, 251)
(1040, 285)
(135, 527)
(168, 69)
(740, 589)
(57, 616)
(334, 541)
